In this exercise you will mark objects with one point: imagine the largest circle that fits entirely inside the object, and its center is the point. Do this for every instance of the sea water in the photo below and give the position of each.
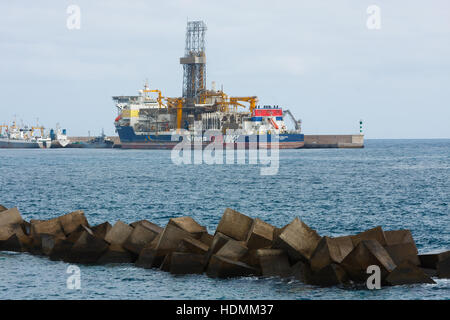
(397, 184)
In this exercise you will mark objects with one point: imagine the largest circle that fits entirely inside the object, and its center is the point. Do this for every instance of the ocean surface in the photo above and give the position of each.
(396, 184)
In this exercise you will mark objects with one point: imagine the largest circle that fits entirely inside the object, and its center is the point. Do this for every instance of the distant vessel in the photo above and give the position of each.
(59, 137)
(18, 138)
(99, 142)
(201, 114)
(146, 123)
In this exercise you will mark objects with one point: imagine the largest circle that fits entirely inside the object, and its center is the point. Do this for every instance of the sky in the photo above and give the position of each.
(318, 59)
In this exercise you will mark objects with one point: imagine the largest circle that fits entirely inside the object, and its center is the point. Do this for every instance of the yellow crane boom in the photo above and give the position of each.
(178, 104)
(252, 100)
(160, 97)
(38, 128)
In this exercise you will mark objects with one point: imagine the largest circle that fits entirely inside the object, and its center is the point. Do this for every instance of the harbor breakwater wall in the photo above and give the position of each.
(334, 141)
(240, 246)
(311, 141)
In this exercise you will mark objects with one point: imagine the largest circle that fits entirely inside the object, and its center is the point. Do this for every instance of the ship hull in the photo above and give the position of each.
(60, 143)
(13, 144)
(96, 145)
(130, 140)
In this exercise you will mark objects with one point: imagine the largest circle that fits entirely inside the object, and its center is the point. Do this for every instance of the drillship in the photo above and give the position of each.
(146, 123)
(152, 121)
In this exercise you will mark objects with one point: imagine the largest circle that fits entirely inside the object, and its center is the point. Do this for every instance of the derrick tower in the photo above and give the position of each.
(194, 62)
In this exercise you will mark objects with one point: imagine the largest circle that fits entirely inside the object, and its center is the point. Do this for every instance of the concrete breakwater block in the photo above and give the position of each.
(330, 250)
(274, 263)
(73, 237)
(365, 254)
(61, 250)
(52, 227)
(58, 228)
(194, 246)
(116, 254)
(152, 255)
(301, 271)
(218, 242)
(10, 217)
(330, 275)
(443, 268)
(241, 246)
(71, 221)
(165, 264)
(260, 235)
(101, 230)
(235, 225)
(170, 238)
(149, 258)
(47, 243)
(407, 273)
(438, 262)
(3, 208)
(87, 249)
(11, 244)
(403, 252)
(277, 232)
(189, 225)
(207, 239)
(233, 250)
(431, 260)
(119, 233)
(376, 233)
(139, 238)
(186, 263)
(221, 267)
(149, 225)
(183, 263)
(394, 237)
(298, 240)
(12, 230)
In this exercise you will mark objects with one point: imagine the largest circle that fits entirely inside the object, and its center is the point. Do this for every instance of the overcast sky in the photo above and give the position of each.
(316, 58)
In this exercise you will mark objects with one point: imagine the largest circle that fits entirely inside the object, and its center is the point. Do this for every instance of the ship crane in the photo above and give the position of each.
(252, 100)
(38, 128)
(178, 104)
(160, 97)
(297, 123)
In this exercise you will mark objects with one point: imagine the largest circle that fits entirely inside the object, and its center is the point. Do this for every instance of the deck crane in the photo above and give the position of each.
(38, 128)
(297, 123)
(252, 100)
(176, 103)
(160, 97)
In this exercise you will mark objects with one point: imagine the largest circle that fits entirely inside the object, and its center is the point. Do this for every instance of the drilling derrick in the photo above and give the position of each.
(194, 62)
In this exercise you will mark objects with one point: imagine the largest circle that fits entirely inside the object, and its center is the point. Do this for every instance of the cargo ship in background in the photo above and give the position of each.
(146, 122)
(24, 137)
(59, 137)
